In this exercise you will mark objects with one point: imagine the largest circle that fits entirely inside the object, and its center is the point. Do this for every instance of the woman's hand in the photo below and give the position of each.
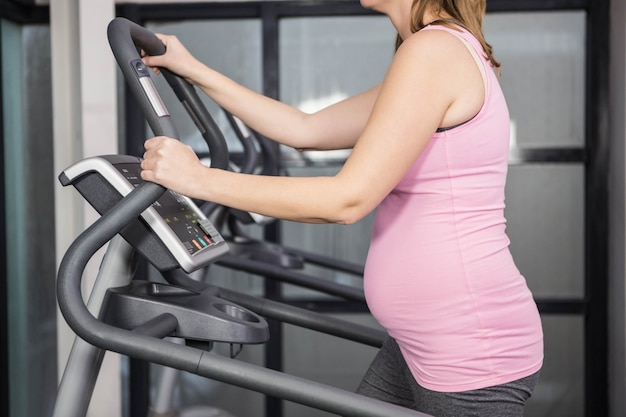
(176, 58)
(172, 164)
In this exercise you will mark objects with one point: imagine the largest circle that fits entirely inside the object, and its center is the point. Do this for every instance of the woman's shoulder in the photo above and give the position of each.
(435, 40)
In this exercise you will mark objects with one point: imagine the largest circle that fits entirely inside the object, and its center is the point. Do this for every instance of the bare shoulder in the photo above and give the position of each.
(435, 55)
(434, 43)
(437, 64)
(442, 54)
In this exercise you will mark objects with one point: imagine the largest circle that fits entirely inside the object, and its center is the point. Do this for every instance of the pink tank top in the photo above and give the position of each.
(439, 274)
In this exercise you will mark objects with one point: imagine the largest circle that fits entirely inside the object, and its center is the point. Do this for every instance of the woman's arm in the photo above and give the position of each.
(335, 127)
(431, 73)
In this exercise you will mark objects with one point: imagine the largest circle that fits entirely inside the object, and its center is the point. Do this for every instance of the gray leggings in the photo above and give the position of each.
(389, 379)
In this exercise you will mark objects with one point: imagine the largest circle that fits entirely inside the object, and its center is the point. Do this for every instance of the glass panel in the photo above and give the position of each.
(543, 74)
(322, 61)
(28, 166)
(545, 213)
(560, 390)
(326, 59)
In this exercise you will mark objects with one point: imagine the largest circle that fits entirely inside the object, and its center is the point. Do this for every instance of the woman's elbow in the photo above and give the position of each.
(352, 213)
(351, 201)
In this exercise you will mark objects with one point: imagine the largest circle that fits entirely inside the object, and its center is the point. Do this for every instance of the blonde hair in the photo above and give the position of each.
(467, 14)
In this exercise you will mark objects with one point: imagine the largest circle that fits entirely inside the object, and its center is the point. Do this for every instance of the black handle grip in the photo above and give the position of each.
(125, 37)
(201, 117)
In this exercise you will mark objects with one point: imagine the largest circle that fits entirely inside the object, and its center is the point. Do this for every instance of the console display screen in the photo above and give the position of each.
(194, 232)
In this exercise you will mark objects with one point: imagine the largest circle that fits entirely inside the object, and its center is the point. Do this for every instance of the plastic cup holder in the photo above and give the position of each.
(236, 312)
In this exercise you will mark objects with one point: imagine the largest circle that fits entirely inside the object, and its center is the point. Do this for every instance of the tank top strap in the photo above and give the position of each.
(470, 41)
(480, 58)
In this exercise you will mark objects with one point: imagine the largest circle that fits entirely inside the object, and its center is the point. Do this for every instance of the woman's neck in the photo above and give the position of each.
(431, 16)
(404, 28)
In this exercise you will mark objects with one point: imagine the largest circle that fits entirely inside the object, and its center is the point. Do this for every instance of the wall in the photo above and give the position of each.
(85, 124)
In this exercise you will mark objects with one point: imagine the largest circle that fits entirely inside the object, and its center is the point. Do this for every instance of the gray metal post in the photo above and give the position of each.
(83, 364)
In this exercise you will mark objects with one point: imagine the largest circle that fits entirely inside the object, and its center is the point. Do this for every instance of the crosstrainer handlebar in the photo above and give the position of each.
(125, 37)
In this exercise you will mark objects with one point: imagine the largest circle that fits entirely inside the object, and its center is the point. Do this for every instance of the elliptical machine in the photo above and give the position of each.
(134, 318)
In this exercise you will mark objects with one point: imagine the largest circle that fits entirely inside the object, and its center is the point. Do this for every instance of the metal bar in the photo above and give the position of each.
(328, 306)
(535, 5)
(24, 14)
(547, 155)
(555, 306)
(596, 209)
(562, 307)
(193, 11)
(298, 390)
(307, 319)
(253, 9)
(321, 9)
(4, 304)
(331, 263)
(83, 365)
(292, 277)
(271, 289)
